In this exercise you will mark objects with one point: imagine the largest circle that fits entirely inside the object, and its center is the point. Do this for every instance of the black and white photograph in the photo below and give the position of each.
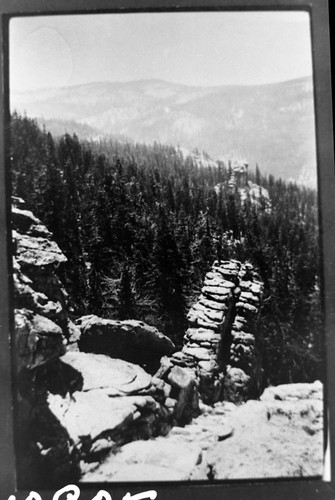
(166, 262)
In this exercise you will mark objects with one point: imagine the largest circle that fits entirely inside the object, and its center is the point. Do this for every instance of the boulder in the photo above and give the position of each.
(242, 356)
(130, 340)
(236, 385)
(113, 377)
(89, 415)
(85, 426)
(90, 404)
(210, 384)
(186, 394)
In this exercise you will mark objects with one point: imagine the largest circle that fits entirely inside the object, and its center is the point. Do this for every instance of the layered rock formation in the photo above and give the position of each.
(37, 288)
(73, 407)
(219, 350)
(89, 407)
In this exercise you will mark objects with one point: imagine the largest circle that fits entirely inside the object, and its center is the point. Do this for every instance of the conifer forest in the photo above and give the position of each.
(141, 225)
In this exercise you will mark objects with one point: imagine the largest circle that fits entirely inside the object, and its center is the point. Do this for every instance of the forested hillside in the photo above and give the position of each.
(140, 226)
(270, 124)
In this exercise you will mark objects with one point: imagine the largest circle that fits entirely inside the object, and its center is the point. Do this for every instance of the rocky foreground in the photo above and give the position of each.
(106, 400)
(280, 435)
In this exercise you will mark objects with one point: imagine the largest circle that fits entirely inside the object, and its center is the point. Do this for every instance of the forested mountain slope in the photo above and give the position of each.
(269, 124)
(141, 225)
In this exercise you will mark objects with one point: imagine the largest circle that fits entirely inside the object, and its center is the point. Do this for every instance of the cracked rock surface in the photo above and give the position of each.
(279, 436)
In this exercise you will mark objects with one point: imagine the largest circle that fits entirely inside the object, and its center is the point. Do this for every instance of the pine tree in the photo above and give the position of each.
(127, 307)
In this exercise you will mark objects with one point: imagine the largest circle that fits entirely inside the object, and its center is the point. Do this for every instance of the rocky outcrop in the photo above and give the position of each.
(238, 184)
(87, 412)
(38, 340)
(95, 404)
(130, 340)
(42, 332)
(219, 350)
(73, 407)
(36, 259)
(279, 436)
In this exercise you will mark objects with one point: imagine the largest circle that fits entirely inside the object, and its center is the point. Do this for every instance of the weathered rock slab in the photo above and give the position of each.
(114, 377)
(153, 460)
(259, 439)
(293, 392)
(87, 415)
(130, 340)
(272, 439)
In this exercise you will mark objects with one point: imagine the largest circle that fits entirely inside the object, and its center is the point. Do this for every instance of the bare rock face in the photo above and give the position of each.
(75, 407)
(101, 404)
(130, 340)
(38, 340)
(154, 460)
(41, 321)
(114, 377)
(42, 333)
(277, 437)
(36, 259)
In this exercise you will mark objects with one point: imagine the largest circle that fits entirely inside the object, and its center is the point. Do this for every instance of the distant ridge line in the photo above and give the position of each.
(160, 81)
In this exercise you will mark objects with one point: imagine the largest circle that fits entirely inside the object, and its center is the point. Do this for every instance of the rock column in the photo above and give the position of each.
(244, 372)
(220, 340)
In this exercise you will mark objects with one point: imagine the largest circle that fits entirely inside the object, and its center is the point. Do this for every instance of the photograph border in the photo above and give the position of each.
(305, 488)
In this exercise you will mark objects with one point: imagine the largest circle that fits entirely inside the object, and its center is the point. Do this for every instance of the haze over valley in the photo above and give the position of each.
(269, 124)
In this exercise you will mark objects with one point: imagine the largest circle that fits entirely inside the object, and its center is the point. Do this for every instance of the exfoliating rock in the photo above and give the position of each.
(114, 377)
(130, 340)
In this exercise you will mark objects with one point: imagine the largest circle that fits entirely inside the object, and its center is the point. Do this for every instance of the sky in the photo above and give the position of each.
(201, 49)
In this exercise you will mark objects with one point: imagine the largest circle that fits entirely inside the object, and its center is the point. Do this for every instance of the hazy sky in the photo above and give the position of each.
(191, 48)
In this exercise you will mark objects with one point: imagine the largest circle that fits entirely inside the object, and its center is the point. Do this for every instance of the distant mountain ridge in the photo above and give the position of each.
(272, 124)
